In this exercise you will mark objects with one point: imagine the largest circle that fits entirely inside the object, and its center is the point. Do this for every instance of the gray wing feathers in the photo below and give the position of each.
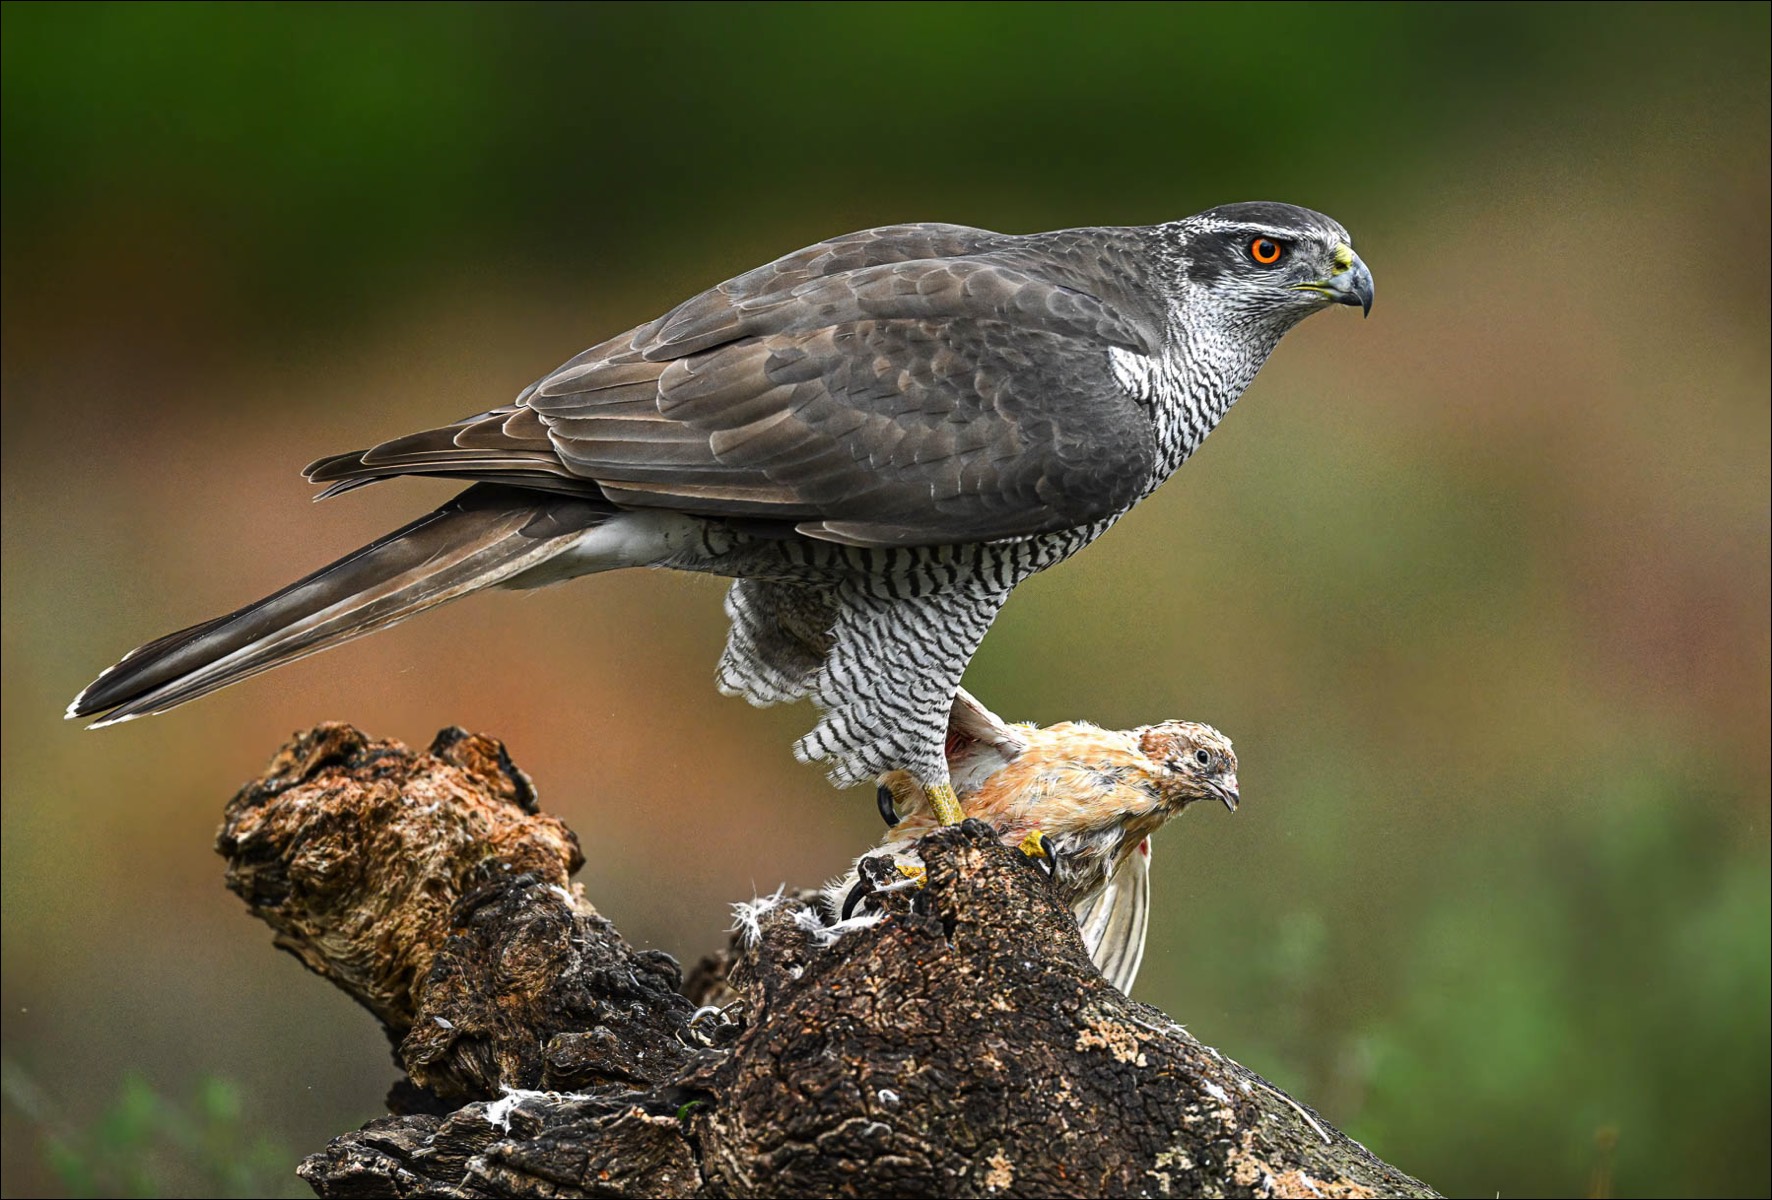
(1114, 919)
(483, 536)
(907, 385)
(923, 289)
(504, 443)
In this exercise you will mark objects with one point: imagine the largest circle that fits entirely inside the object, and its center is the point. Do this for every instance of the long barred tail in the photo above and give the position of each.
(483, 537)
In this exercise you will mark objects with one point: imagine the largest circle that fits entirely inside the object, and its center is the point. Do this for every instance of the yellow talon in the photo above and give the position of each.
(1034, 845)
(945, 803)
(920, 874)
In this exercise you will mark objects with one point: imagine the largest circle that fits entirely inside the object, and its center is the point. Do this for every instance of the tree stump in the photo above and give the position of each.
(963, 1045)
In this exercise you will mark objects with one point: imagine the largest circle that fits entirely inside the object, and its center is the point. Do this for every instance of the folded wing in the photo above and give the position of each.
(911, 385)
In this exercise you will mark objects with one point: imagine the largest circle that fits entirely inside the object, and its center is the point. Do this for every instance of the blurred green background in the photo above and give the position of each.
(1479, 586)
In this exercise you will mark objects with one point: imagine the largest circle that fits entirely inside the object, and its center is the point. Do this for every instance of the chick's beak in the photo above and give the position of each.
(1226, 790)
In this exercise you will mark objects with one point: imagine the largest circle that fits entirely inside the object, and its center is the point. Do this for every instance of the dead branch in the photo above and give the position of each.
(962, 1046)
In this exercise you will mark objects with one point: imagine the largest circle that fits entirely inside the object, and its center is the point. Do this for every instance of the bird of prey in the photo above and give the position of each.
(1082, 800)
(876, 438)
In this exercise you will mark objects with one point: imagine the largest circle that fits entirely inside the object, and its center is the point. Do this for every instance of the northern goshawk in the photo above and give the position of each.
(876, 437)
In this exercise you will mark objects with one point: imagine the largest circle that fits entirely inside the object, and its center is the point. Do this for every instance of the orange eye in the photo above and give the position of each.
(1265, 251)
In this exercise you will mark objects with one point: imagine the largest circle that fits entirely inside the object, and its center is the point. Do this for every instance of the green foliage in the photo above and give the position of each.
(1525, 1014)
(1589, 1000)
(147, 1143)
(345, 148)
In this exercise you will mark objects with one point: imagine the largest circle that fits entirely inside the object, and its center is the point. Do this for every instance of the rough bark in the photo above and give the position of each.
(963, 1045)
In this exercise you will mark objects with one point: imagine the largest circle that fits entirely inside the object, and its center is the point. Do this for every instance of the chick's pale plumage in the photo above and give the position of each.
(1083, 798)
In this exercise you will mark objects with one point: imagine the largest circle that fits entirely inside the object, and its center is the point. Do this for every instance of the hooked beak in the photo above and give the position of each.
(1226, 791)
(1350, 284)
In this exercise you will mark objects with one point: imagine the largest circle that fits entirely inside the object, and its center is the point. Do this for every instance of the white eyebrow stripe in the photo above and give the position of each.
(1291, 234)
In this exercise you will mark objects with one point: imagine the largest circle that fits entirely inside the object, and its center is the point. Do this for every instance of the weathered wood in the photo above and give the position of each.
(963, 1045)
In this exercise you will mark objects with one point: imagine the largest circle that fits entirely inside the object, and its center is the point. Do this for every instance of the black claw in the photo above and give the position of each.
(888, 810)
(1047, 859)
(855, 896)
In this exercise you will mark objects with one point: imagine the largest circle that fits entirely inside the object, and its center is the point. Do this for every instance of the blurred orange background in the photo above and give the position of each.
(1479, 587)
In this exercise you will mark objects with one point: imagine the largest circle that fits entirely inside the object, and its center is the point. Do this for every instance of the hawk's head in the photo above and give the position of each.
(1271, 263)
